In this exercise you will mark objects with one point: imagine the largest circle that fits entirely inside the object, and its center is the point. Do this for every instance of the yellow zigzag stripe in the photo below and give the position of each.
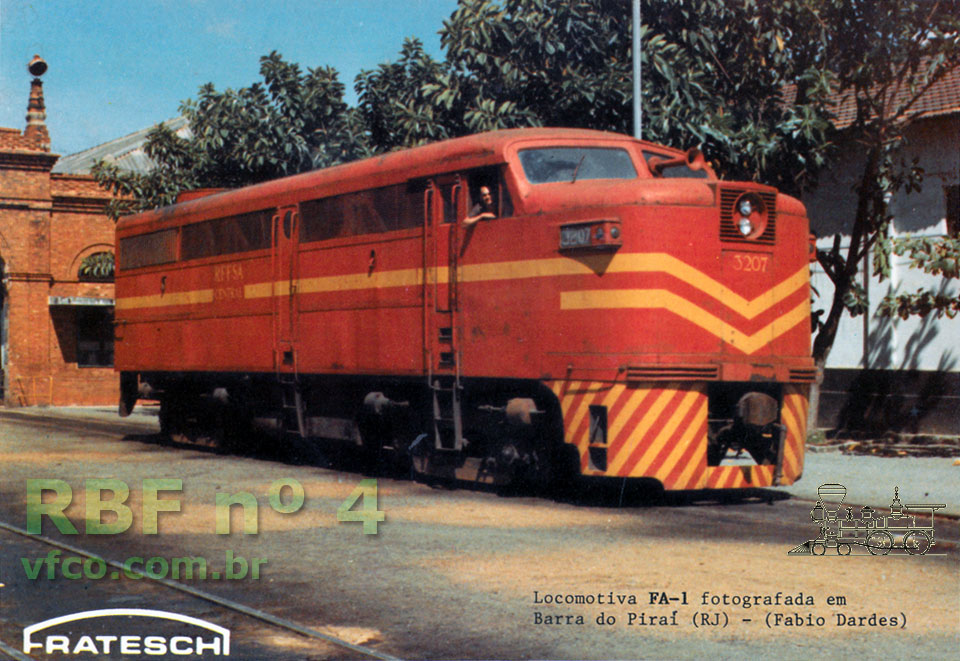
(667, 300)
(494, 271)
(162, 300)
(655, 262)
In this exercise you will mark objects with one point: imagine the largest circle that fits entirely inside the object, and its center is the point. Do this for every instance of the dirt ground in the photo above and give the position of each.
(470, 574)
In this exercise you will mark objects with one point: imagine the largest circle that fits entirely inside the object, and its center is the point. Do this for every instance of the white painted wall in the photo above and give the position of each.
(873, 341)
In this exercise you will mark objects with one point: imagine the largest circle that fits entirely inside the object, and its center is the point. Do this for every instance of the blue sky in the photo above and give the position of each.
(117, 66)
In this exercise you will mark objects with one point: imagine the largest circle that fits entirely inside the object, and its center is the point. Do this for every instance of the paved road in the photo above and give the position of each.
(462, 573)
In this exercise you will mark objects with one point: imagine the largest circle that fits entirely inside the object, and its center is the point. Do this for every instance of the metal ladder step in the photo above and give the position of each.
(447, 421)
(291, 408)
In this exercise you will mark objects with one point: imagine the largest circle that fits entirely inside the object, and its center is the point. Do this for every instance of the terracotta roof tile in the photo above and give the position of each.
(942, 98)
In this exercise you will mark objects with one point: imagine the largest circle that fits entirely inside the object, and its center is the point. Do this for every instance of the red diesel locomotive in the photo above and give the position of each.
(616, 311)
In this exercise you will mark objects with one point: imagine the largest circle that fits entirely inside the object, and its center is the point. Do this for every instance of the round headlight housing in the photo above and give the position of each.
(749, 215)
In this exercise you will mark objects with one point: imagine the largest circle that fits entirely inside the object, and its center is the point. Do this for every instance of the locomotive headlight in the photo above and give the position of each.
(749, 215)
(614, 232)
(599, 234)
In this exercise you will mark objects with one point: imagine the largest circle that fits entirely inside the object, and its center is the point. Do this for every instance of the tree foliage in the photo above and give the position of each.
(290, 123)
(714, 76)
(97, 267)
(884, 57)
(750, 82)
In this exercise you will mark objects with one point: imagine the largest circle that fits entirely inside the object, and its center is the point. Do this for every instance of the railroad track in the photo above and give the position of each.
(11, 649)
(109, 428)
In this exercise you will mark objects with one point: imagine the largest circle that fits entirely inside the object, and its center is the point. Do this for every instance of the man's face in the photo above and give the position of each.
(486, 197)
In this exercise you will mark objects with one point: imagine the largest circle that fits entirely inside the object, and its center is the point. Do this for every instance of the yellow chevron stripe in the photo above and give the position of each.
(614, 395)
(521, 269)
(656, 262)
(796, 426)
(163, 300)
(642, 428)
(790, 459)
(667, 300)
(351, 282)
(700, 456)
(571, 393)
(682, 445)
(654, 448)
(585, 401)
(626, 414)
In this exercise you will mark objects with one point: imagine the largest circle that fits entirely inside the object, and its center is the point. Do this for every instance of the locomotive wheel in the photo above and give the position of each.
(523, 465)
(171, 418)
(879, 542)
(186, 419)
(843, 549)
(916, 542)
(233, 428)
(819, 548)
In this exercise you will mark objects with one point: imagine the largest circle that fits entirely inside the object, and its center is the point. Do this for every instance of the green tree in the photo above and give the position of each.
(97, 267)
(291, 122)
(393, 101)
(714, 74)
(884, 57)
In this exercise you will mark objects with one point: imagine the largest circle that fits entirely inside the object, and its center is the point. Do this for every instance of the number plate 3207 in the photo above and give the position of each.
(574, 237)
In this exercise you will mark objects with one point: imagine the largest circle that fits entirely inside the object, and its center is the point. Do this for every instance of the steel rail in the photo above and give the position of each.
(229, 604)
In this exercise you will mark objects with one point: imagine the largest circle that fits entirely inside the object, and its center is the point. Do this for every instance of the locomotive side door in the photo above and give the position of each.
(442, 199)
(285, 232)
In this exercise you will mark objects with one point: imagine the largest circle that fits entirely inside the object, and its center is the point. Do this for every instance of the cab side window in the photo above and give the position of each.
(481, 181)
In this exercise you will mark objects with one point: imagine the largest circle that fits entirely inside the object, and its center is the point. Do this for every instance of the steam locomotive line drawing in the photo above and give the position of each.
(875, 533)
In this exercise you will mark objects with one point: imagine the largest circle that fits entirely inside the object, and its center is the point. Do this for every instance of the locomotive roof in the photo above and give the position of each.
(393, 167)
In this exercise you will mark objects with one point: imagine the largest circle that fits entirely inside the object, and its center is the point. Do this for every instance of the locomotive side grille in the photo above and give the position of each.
(728, 229)
(803, 375)
(672, 372)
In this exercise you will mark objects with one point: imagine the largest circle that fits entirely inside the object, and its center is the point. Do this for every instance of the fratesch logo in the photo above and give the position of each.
(209, 639)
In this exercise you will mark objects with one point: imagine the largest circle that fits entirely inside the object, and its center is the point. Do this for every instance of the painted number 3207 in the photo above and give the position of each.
(750, 263)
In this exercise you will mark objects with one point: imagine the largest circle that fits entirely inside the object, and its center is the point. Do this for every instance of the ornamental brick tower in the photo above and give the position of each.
(36, 111)
(56, 336)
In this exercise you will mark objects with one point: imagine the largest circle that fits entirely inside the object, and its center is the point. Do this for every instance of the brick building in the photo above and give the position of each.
(56, 335)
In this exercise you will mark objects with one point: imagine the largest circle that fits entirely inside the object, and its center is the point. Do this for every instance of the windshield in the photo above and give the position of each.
(550, 164)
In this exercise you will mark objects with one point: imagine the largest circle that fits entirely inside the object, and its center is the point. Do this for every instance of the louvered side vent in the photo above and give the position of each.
(673, 373)
(728, 229)
(803, 375)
